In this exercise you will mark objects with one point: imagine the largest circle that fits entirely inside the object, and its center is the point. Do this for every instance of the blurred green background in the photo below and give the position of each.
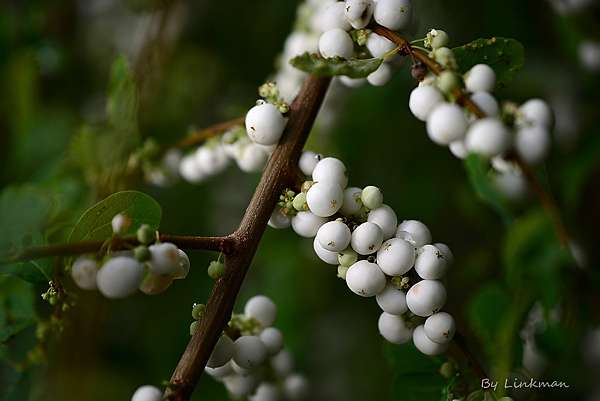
(205, 67)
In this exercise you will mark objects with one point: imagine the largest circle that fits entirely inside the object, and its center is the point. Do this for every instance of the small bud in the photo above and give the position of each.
(371, 197)
(306, 186)
(142, 253)
(145, 234)
(216, 269)
(347, 257)
(193, 327)
(198, 311)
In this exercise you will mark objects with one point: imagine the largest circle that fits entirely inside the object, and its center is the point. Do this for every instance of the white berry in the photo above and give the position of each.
(272, 339)
(385, 217)
(446, 252)
(488, 137)
(295, 387)
(279, 220)
(396, 257)
(325, 198)
(249, 352)
(393, 328)
(365, 278)
(220, 372)
(147, 393)
(535, 112)
(222, 353)
(378, 45)
(487, 103)
(359, 12)
(119, 277)
(425, 345)
(440, 327)
(336, 43)
(266, 392)
(334, 236)
(252, 158)
(261, 308)
(307, 224)
(380, 76)
(459, 149)
(308, 162)
(430, 263)
(183, 266)
(392, 300)
(265, 124)
(423, 100)
(480, 78)
(426, 297)
(333, 16)
(283, 363)
(367, 238)
(330, 169)
(165, 258)
(352, 201)
(532, 143)
(446, 123)
(240, 385)
(84, 271)
(392, 14)
(418, 231)
(329, 257)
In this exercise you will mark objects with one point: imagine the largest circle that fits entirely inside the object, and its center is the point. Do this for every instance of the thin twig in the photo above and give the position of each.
(280, 173)
(217, 244)
(199, 136)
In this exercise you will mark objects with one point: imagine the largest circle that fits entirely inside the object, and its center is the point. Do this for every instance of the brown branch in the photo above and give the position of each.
(462, 98)
(218, 244)
(199, 136)
(279, 174)
(460, 345)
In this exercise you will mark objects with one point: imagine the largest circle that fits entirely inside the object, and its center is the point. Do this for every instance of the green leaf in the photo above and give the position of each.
(17, 311)
(328, 67)
(95, 223)
(477, 169)
(505, 56)
(416, 376)
(486, 311)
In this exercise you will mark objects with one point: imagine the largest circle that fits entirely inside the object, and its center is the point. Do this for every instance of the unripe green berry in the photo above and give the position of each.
(447, 370)
(371, 197)
(299, 202)
(448, 81)
(445, 57)
(198, 311)
(142, 253)
(347, 257)
(436, 38)
(401, 282)
(193, 327)
(216, 269)
(145, 234)
(342, 270)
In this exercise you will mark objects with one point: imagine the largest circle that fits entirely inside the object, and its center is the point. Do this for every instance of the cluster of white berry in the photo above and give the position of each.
(249, 357)
(354, 230)
(151, 267)
(525, 128)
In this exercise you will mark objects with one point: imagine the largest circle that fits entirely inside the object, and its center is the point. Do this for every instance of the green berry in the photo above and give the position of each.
(447, 370)
(436, 38)
(347, 257)
(445, 57)
(142, 253)
(216, 269)
(299, 202)
(198, 311)
(193, 327)
(448, 81)
(145, 234)
(371, 197)
(306, 186)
